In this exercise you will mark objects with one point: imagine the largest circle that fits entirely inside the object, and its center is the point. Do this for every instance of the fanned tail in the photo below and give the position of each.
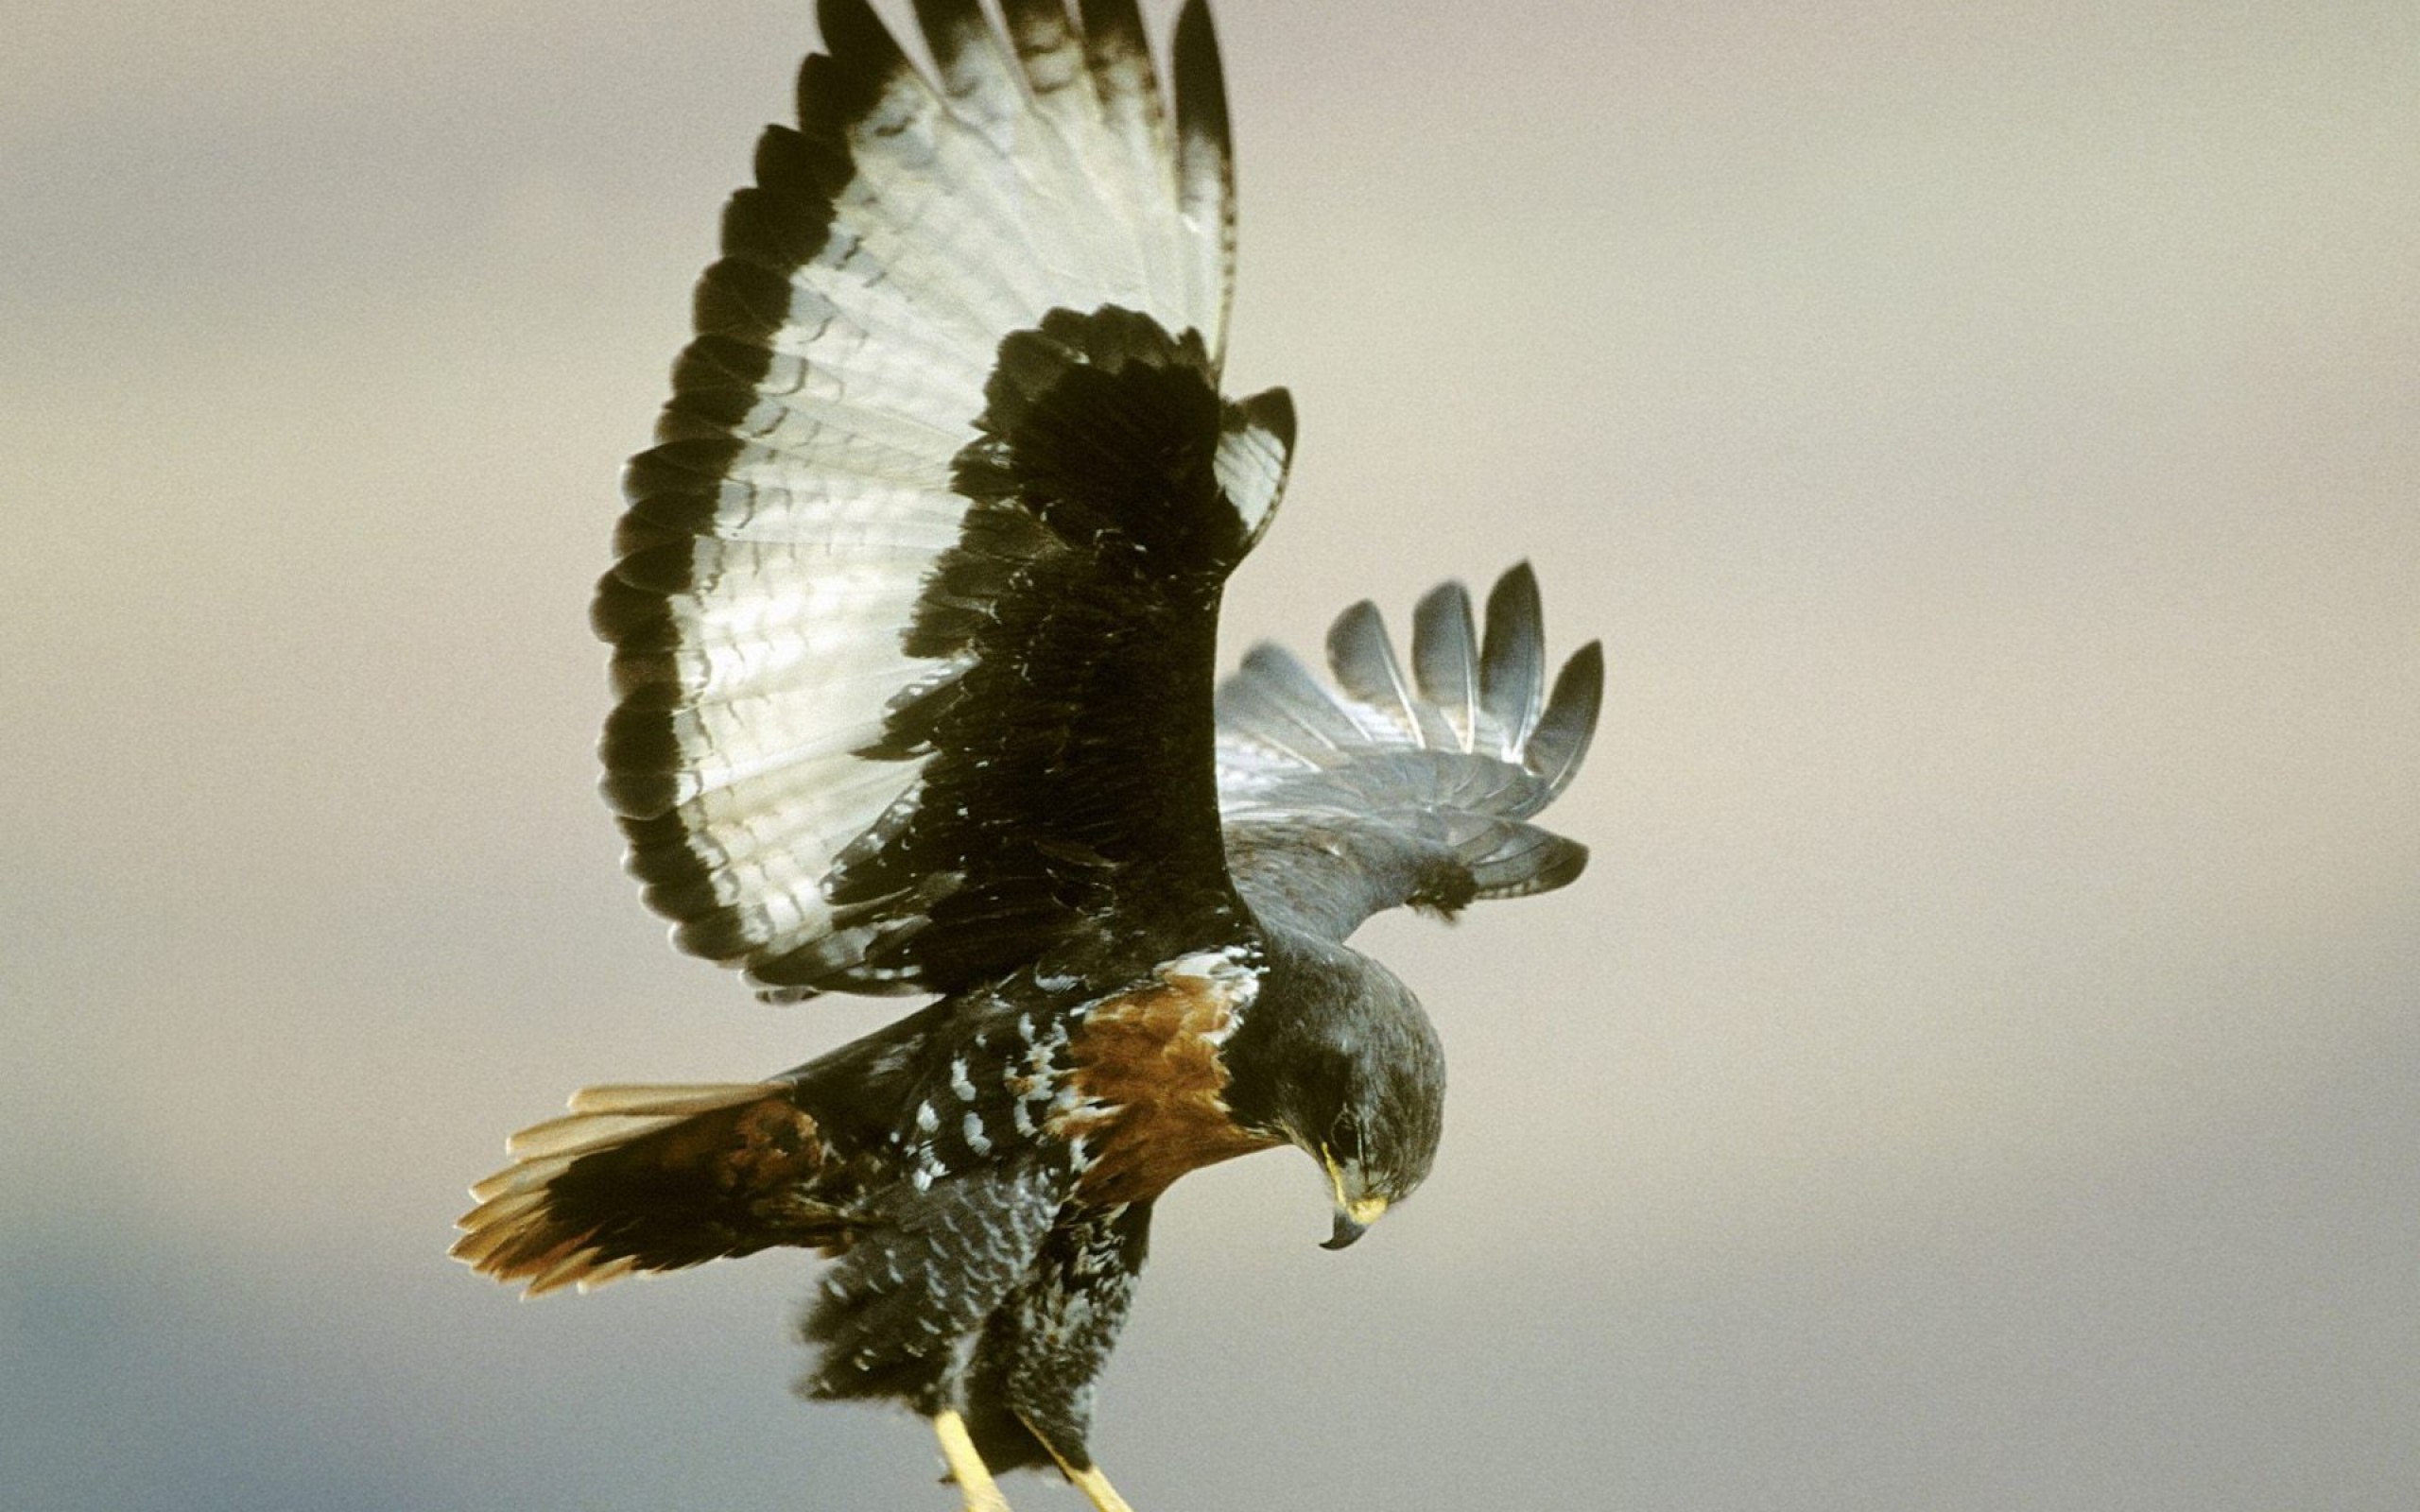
(655, 1178)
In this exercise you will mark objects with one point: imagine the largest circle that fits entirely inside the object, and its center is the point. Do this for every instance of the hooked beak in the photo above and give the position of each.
(1354, 1214)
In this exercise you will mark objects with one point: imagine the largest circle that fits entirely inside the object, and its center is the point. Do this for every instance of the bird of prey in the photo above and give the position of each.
(913, 615)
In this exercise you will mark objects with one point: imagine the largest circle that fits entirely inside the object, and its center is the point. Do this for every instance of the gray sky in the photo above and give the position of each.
(1978, 1072)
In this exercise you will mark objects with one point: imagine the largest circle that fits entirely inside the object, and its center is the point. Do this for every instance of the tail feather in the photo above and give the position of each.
(642, 1178)
(649, 1098)
(602, 1116)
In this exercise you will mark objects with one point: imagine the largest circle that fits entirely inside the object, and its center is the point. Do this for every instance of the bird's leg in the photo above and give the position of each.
(1089, 1480)
(1096, 1488)
(966, 1467)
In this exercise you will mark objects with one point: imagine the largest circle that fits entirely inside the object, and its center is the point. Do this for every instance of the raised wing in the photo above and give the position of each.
(913, 608)
(1394, 788)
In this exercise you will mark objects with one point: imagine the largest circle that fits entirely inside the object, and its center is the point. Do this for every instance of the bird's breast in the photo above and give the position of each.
(1151, 1085)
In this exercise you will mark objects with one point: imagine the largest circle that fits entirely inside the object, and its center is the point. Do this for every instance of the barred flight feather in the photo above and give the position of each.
(804, 522)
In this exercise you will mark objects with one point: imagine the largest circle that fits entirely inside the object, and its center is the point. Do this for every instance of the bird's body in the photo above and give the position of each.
(914, 620)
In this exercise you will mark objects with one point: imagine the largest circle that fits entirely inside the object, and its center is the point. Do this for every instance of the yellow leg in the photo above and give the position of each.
(966, 1467)
(1096, 1488)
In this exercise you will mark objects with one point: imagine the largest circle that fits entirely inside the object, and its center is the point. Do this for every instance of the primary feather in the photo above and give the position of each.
(1393, 790)
(804, 508)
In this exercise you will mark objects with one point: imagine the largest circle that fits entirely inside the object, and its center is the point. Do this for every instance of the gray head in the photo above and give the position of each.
(1337, 1058)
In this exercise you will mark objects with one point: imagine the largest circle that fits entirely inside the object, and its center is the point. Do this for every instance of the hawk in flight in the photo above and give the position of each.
(913, 620)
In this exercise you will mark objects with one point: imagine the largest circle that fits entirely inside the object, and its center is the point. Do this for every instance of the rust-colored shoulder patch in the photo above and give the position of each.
(1151, 1088)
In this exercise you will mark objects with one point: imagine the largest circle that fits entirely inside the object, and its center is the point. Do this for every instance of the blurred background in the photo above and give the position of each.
(1978, 1071)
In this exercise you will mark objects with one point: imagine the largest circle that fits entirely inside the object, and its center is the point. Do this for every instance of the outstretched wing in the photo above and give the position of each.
(913, 609)
(1393, 789)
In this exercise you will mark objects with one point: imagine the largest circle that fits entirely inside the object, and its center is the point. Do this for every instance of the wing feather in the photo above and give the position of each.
(848, 615)
(1205, 170)
(1363, 659)
(1405, 790)
(1560, 736)
(1274, 704)
(1445, 659)
(1135, 150)
(1512, 659)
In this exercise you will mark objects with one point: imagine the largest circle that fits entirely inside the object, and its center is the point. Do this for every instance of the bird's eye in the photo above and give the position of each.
(1344, 1137)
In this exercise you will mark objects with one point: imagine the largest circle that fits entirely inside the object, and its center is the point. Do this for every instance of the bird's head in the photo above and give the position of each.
(1339, 1060)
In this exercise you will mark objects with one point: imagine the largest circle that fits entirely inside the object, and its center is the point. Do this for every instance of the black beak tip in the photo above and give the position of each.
(1346, 1231)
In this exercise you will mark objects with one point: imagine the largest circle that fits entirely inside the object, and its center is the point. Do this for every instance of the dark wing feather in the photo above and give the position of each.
(1442, 648)
(1338, 805)
(1363, 659)
(912, 607)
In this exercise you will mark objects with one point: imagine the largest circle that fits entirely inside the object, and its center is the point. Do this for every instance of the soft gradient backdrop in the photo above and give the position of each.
(1981, 1071)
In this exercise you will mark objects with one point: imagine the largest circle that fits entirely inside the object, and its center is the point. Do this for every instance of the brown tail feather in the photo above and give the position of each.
(640, 1177)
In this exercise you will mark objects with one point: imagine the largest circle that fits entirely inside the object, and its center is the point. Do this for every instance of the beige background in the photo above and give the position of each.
(1979, 1071)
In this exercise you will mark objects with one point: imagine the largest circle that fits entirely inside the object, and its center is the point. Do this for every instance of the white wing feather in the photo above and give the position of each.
(779, 537)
